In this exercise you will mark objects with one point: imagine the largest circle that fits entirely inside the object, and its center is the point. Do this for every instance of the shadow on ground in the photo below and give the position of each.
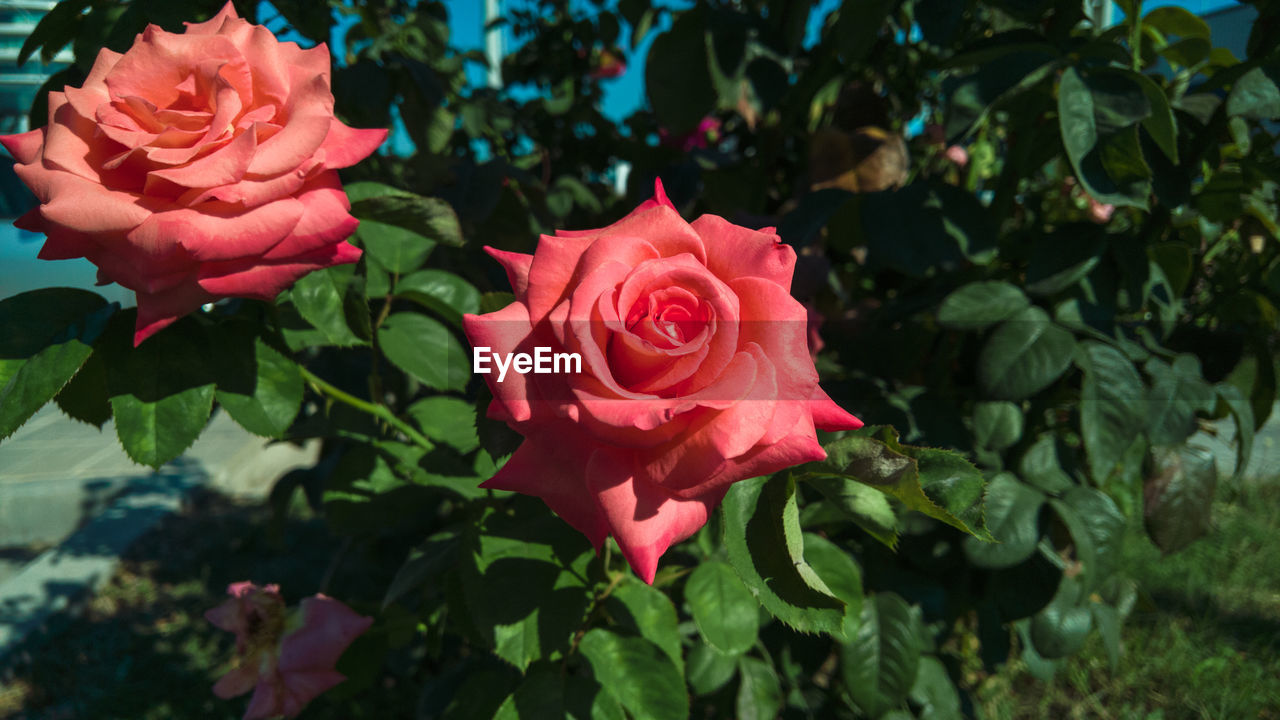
(141, 650)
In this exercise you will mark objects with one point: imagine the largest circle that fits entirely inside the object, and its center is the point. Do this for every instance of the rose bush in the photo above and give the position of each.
(695, 373)
(285, 657)
(195, 166)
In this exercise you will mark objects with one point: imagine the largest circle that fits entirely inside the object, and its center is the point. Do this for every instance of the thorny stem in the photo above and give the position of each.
(382, 412)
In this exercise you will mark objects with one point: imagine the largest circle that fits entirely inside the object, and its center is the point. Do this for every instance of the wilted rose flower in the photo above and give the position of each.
(195, 166)
(695, 374)
(285, 657)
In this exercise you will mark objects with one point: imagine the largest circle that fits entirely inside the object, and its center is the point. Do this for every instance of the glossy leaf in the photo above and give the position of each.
(1023, 356)
(865, 506)
(448, 420)
(1012, 515)
(722, 607)
(323, 298)
(759, 692)
(269, 399)
(649, 613)
(880, 663)
(638, 673)
(996, 425)
(708, 669)
(1112, 399)
(426, 349)
(443, 292)
(981, 304)
(763, 539)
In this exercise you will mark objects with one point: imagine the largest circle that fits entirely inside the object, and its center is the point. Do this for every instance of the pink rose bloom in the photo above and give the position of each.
(957, 155)
(695, 374)
(707, 132)
(1099, 212)
(287, 659)
(195, 166)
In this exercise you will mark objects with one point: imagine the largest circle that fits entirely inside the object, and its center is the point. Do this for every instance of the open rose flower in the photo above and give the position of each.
(286, 657)
(695, 374)
(195, 166)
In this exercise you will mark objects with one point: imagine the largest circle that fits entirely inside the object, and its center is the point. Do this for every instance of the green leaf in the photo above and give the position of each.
(426, 563)
(395, 248)
(37, 381)
(1107, 620)
(1062, 259)
(1254, 96)
(539, 697)
(1160, 123)
(648, 612)
(58, 27)
(85, 397)
(523, 582)
(1178, 496)
(759, 692)
(981, 304)
(996, 425)
(1041, 466)
(324, 299)
(865, 506)
(937, 483)
(638, 673)
(269, 399)
(708, 669)
(1178, 391)
(1112, 397)
(426, 349)
(440, 291)
(432, 220)
(1178, 21)
(1097, 516)
(722, 607)
(880, 663)
(161, 391)
(840, 572)
(1061, 628)
(448, 420)
(677, 74)
(934, 692)
(45, 337)
(1024, 355)
(1242, 413)
(1096, 122)
(763, 539)
(1013, 516)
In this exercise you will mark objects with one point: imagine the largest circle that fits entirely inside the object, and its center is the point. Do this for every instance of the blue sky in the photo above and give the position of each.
(626, 93)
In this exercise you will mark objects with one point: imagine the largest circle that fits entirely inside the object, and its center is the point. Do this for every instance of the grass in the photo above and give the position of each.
(1202, 644)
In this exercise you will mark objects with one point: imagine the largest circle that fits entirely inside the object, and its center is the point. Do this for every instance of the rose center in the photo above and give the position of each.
(668, 318)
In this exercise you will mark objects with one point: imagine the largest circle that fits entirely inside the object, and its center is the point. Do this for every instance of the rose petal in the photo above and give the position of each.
(736, 252)
(264, 280)
(517, 267)
(156, 311)
(310, 112)
(24, 147)
(829, 416)
(546, 467)
(328, 628)
(345, 146)
(236, 682)
(643, 518)
(221, 231)
(505, 331)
